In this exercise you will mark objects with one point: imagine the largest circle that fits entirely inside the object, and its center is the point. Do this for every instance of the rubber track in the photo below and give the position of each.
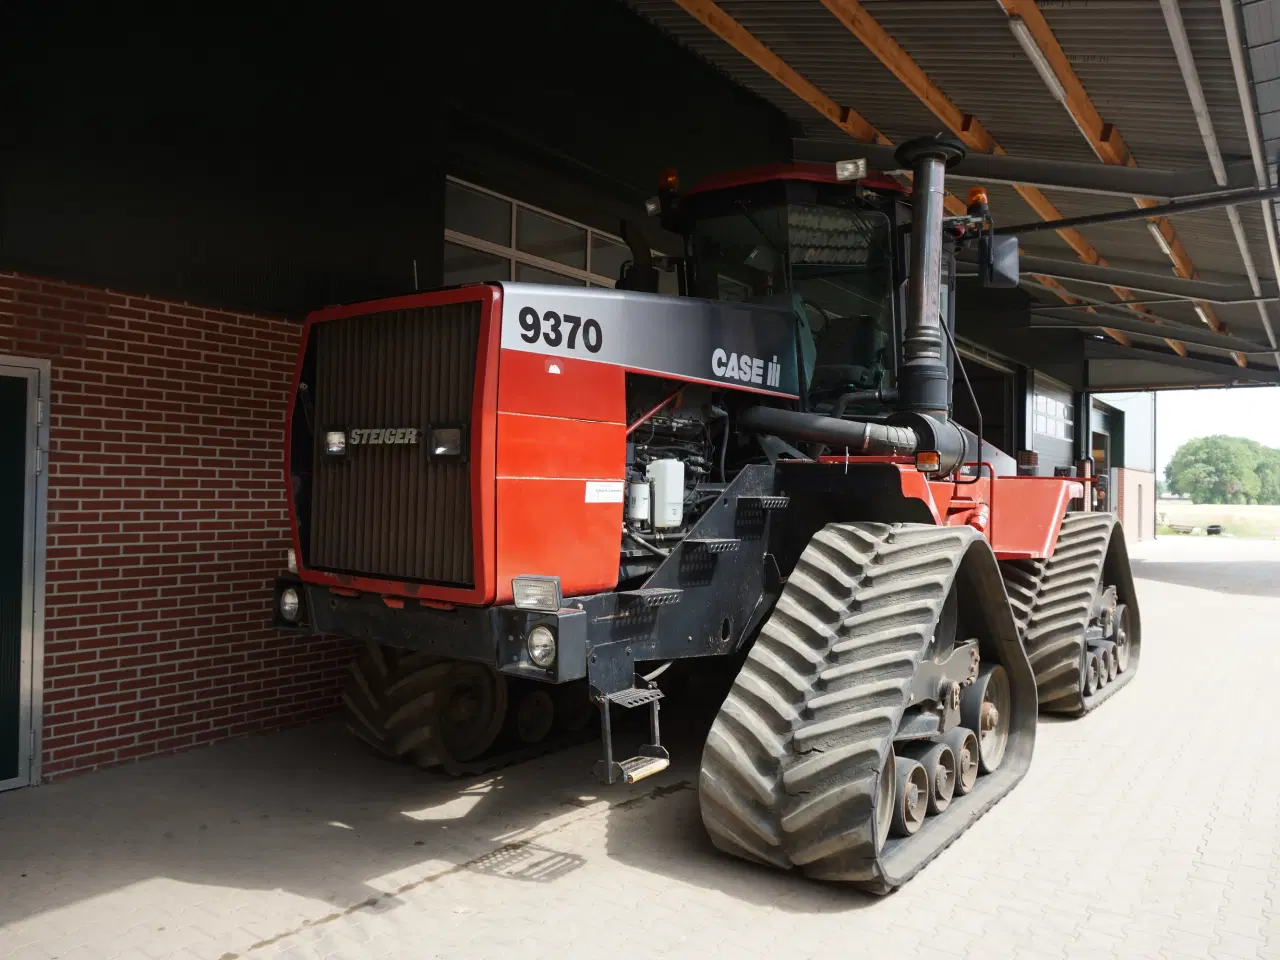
(1063, 601)
(790, 766)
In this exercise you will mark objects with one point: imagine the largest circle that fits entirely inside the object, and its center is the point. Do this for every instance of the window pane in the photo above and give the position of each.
(607, 257)
(551, 239)
(1040, 401)
(528, 274)
(464, 265)
(1041, 425)
(477, 214)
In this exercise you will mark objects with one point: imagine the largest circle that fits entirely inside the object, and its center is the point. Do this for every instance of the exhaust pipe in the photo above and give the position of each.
(924, 380)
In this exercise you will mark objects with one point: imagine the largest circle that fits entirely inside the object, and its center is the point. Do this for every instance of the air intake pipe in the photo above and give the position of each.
(909, 433)
(924, 376)
(857, 436)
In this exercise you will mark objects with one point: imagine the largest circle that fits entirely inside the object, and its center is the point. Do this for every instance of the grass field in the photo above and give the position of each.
(1236, 521)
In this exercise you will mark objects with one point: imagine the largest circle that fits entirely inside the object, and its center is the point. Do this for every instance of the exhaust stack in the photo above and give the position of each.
(924, 379)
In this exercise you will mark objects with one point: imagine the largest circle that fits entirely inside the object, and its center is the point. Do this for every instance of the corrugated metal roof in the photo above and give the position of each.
(1120, 50)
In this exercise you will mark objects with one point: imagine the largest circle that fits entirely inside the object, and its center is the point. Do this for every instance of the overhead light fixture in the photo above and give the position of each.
(1158, 237)
(1202, 315)
(1022, 34)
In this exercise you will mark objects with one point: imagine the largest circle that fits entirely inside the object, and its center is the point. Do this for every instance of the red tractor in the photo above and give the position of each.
(528, 501)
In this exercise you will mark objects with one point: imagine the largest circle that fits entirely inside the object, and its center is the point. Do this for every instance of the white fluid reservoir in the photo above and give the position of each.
(638, 501)
(666, 478)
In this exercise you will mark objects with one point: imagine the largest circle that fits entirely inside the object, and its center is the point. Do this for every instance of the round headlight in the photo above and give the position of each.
(289, 603)
(541, 643)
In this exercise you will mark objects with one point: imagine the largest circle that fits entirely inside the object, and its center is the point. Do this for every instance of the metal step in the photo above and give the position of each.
(637, 768)
(653, 596)
(765, 503)
(634, 697)
(713, 544)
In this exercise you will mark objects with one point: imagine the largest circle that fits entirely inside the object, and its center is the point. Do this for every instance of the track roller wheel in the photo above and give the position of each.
(1121, 637)
(911, 797)
(1107, 661)
(985, 707)
(939, 764)
(1091, 674)
(535, 715)
(964, 747)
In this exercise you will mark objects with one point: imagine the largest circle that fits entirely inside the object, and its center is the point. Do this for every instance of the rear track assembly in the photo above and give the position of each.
(1081, 632)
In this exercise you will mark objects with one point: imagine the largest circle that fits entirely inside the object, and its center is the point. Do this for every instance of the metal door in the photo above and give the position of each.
(23, 402)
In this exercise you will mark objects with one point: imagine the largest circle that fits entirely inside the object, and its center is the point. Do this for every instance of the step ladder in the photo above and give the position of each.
(653, 757)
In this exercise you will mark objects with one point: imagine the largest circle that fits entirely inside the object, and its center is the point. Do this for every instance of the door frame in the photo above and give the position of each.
(35, 529)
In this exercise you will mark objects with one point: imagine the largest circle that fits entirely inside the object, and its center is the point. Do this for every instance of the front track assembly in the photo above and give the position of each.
(456, 717)
(1078, 614)
(886, 704)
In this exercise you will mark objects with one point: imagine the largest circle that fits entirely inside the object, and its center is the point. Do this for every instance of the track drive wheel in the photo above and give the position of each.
(419, 708)
(803, 767)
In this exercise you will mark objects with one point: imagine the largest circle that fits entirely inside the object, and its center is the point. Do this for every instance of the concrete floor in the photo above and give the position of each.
(1150, 828)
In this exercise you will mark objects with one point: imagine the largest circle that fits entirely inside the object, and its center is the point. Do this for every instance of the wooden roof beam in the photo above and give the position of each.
(1104, 139)
(969, 129)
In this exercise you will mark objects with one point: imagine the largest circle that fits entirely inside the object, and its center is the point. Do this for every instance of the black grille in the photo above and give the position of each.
(387, 510)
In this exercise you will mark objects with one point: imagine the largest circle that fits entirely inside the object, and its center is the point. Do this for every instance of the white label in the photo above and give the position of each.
(604, 491)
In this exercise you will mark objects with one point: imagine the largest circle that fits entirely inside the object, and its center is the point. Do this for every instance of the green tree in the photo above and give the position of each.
(1223, 469)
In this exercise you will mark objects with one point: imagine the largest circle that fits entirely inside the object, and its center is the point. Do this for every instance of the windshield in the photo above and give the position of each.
(830, 257)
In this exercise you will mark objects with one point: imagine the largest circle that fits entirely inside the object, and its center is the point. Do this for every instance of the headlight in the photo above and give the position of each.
(541, 643)
(292, 560)
(536, 593)
(289, 605)
(446, 442)
(335, 442)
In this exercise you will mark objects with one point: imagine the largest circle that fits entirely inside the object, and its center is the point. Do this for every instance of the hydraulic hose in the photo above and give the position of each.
(858, 436)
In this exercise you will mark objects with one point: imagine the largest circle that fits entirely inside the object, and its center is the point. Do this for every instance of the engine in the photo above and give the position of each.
(675, 468)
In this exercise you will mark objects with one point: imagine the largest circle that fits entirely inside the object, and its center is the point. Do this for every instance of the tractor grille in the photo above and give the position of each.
(387, 510)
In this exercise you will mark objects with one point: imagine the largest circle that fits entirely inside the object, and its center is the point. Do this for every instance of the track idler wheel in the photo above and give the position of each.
(574, 709)
(939, 764)
(1121, 637)
(535, 715)
(964, 747)
(986, 708)
(886, 794)
(911, 797)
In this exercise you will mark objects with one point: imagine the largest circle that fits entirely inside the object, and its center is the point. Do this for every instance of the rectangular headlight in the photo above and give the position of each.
(536, 593)
(851, 169)
(335, 442)
(446, 442)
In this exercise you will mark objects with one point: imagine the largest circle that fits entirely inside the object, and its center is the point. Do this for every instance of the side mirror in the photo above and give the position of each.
(999, 260)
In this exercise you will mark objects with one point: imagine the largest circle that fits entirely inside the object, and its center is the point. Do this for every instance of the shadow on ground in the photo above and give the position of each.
(310, 812)
(1256, 578)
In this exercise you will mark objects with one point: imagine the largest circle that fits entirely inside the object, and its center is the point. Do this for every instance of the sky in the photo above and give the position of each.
(1183, 415)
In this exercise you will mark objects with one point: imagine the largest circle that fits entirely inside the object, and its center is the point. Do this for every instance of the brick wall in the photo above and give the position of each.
(166, 523)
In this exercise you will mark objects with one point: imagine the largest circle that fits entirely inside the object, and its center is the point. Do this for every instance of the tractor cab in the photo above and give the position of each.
(831, 242)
